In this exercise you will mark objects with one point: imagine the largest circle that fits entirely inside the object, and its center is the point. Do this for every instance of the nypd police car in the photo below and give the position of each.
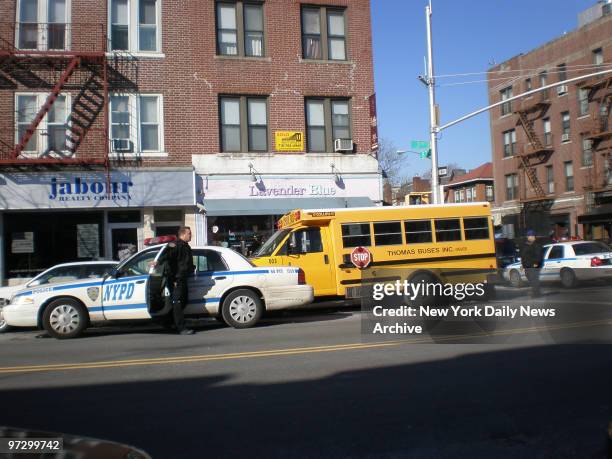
(225, 285)
(568, 262)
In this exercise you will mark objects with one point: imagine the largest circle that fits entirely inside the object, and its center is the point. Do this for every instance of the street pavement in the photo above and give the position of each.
(308, 384)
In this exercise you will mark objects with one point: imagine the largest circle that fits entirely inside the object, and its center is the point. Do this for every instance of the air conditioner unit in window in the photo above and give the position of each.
(122, 145)
(562, 89)
(343, 145)
(565, 138)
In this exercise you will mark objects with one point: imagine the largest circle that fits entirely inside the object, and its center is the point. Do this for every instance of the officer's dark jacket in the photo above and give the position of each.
(179, 260)
(532, 254)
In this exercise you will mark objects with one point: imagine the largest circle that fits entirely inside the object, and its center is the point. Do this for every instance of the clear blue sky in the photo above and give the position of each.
(467, 36)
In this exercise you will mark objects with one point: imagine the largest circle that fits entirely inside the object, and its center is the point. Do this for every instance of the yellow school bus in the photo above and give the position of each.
(425, 238)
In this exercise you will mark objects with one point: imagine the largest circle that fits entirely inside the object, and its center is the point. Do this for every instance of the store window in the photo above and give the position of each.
(167, 221)
(243, 233)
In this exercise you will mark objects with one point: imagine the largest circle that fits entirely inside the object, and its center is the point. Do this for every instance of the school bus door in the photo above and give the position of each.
(310, 248)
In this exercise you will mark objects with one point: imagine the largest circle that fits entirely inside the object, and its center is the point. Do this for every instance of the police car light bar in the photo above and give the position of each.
(159, 240)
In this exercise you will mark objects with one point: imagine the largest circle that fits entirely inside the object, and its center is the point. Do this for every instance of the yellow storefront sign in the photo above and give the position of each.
(289, 140)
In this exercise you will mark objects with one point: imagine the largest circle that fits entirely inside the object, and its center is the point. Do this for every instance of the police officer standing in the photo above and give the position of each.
(532, 256)
(180, 263)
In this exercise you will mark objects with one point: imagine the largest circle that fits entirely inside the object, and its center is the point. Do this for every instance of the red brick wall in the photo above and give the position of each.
(191, 76)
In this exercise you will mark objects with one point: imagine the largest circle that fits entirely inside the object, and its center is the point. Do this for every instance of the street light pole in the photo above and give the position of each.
(433, 122)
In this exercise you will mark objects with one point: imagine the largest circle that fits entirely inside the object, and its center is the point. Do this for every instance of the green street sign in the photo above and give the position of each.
(425, 154)
(419, 145)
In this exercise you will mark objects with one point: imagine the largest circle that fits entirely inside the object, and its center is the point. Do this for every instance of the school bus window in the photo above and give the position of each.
(271, 244)
(448, 230)
(356, 234)
(306, 240)
(388, 233)
(418, 231)
(476, 228)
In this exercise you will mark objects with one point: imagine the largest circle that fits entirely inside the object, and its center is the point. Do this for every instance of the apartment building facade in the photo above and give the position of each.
(120, 122)
(551, 150)
(474, 186)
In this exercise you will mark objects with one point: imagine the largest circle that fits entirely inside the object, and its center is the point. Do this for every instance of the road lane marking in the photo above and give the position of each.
(285, 352)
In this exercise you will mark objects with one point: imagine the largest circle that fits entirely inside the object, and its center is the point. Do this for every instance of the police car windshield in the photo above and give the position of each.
(271, 244)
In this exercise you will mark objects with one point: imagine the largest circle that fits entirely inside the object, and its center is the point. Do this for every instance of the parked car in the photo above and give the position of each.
(568, 262)
(57, 274)
(225, 284)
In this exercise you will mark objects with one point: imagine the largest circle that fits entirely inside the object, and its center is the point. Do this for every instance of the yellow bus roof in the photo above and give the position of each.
(302, 215)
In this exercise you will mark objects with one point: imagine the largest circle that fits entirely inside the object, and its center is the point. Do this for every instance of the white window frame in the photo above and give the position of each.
(135, 131)
(43, 18)
(41, 140)
(134, 29)
(489, 193)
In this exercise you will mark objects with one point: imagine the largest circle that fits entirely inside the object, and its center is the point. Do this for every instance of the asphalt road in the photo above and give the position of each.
(309, 384)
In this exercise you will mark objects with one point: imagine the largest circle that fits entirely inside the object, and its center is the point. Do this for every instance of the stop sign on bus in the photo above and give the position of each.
(361, 257)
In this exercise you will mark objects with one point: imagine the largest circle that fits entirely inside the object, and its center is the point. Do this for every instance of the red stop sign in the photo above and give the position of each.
(361, 257)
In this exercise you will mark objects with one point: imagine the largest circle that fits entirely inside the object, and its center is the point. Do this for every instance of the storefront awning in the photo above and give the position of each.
(228, 207)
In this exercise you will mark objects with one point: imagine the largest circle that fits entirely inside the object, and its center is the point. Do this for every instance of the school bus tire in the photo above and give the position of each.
(65, 318)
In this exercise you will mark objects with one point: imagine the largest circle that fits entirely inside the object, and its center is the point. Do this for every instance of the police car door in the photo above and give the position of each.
(553, 262)
(211, 279)
(124, 296)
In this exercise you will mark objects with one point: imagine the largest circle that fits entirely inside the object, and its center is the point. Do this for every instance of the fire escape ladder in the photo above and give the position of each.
(45, 108)
(531, 134)
(85, 110)
(532, 176)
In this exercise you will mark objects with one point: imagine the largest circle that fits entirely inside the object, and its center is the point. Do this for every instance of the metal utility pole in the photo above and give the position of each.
(433, 121)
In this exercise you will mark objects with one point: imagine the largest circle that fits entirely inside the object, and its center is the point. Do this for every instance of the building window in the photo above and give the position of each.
(587, 152)
(528, 85)
(544, 82)
(569, 175)
(51, 133)
(509, 143)
(583, 102)
(506, 93)
(457, 196)
(244, 123)
(565, 126)
(468, 194)
(598, 58)
(323, 33)
(562, 72)
(489, 193)
(550, 180)
(129, 34)
(462, 195)
(547, 131)
(136, 123)
(511, 187)
(41, 25)
(326, 121)
(606, 8)
(240, 29)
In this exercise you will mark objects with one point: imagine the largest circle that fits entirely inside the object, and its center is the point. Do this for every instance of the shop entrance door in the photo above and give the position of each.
(124, 242)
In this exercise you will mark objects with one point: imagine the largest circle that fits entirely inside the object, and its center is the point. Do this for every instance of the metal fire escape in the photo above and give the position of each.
(60, 60)
(600, 134)
(534, 153)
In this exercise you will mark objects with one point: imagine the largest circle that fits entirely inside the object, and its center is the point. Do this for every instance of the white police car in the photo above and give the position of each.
(62, 273)
(568, 262)
(225, 284)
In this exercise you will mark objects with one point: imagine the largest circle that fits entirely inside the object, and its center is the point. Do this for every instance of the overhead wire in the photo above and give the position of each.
(450, 75)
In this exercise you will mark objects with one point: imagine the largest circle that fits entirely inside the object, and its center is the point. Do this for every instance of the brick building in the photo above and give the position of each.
(551, 151)
(473, 186)
(222, 120)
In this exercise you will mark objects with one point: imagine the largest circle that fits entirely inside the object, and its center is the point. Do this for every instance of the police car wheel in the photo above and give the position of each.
(4, 327)
(64, 318)
(242, 309)
(568, 278)
(515, 278)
